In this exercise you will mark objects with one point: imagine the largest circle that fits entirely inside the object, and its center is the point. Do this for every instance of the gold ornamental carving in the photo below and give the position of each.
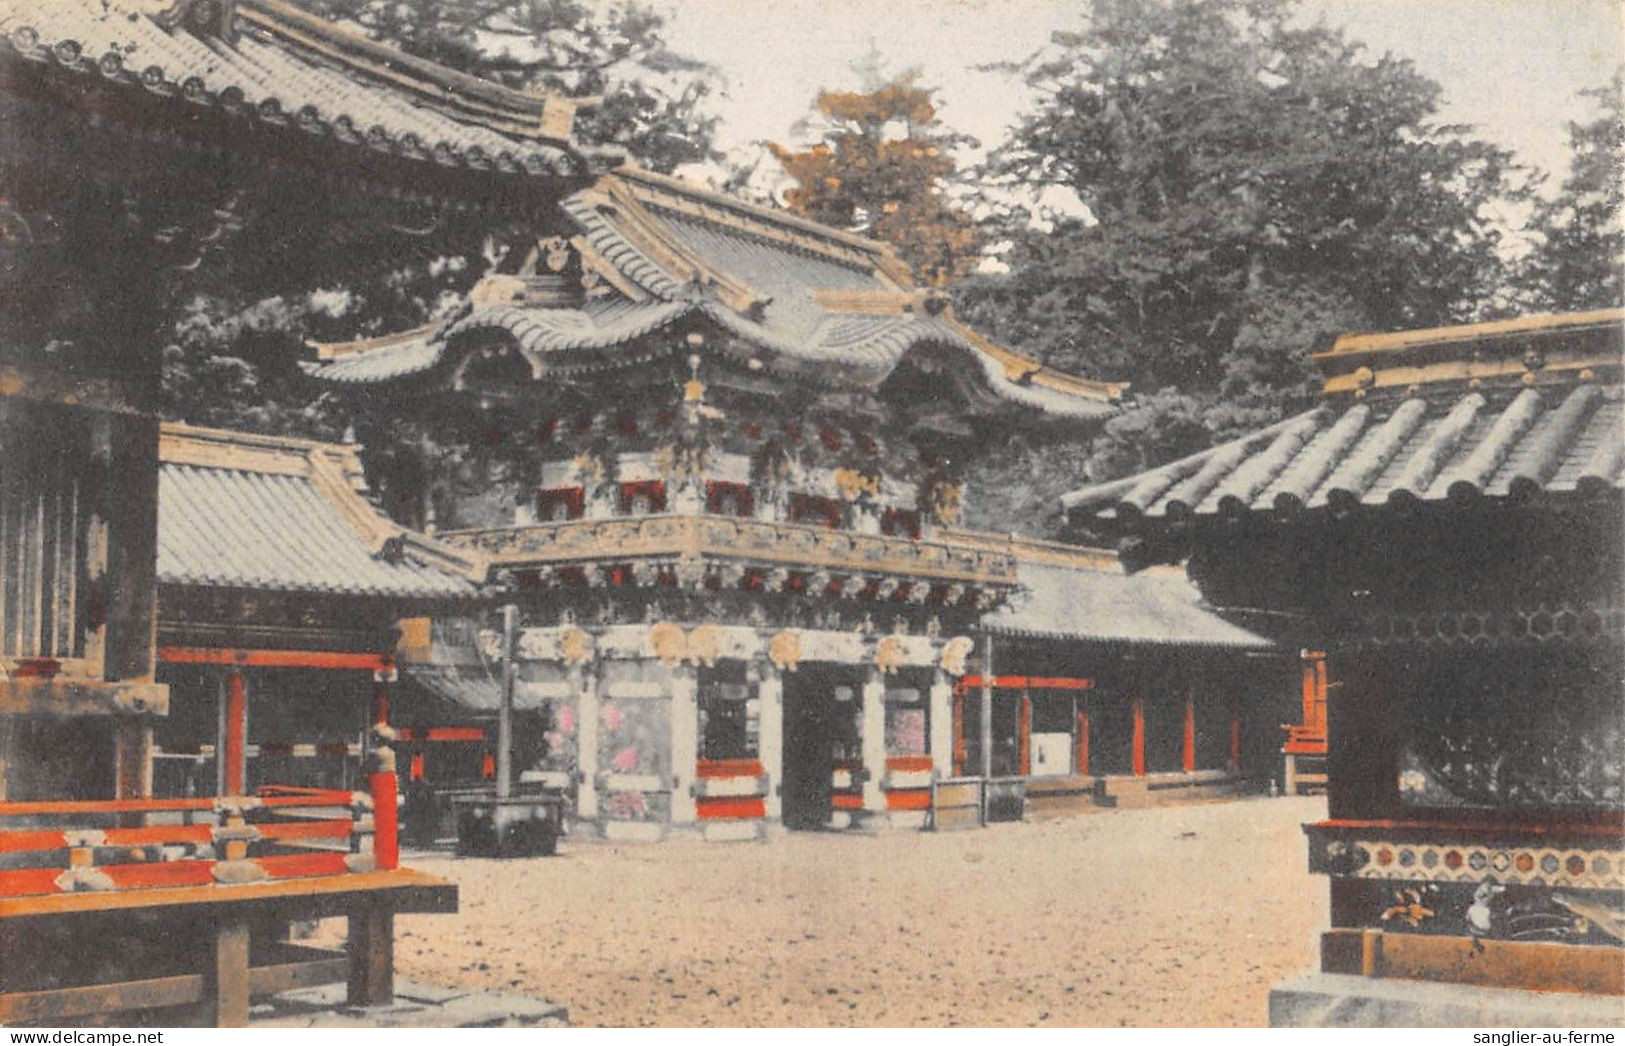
(705, 645)
(784, 650)
(954, 653)
(890, 654)
(669, 643)
(854, 484)
(575, 646)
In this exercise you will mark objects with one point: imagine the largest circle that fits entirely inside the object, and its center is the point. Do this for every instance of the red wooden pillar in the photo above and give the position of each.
(1137, 741)
(1187, 752)
(386, 853)
(1083, 737)
(1026, 729)
(1235, 731)
(234, 735)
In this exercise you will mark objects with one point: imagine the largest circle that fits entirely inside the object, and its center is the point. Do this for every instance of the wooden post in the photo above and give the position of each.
(228, 973)
(587, 713)
(987, 720)
(1026, 730)
(371, 948)
(941, 720)
(233, 779)
(872, 742)
(1187, 751)
(1235, 731)
(132, 757)
(510, 645)
(380, 698)
(1083, 737)
(1137, 740)
(770, 737)
(959, 732)
(685, 744)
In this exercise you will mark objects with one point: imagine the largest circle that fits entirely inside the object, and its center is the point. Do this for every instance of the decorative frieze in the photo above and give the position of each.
(1376, 857)
(569, 553)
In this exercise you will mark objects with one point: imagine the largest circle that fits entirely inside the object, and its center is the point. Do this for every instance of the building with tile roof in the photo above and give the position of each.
(149, 141)
(653, 259)
(1445, 524)
(280, 583)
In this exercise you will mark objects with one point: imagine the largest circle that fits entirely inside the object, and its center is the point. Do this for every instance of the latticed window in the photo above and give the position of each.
(42, 533)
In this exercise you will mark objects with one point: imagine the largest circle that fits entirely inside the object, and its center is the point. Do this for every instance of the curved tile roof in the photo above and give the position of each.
(1155, 607)
(819, 303)
(1551, 421)
(254, 512)
(275, 64)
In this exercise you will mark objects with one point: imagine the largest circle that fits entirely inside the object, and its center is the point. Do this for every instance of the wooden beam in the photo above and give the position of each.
(287, 976)
(332, 659)
(56, 1005)
(1543, 966)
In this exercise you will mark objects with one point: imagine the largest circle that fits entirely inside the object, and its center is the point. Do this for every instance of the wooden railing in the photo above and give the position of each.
(56, 847)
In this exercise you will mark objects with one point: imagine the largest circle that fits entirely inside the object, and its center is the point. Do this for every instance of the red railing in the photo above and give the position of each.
(281, 833)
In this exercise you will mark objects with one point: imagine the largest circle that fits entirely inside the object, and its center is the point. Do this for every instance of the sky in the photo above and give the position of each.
(1510, 67)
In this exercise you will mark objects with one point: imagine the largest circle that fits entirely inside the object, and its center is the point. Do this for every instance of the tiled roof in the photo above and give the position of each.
(254, 512)
(272, 63)
(1512, 409)
(1088, 603)
(822, 304)
(475, 688)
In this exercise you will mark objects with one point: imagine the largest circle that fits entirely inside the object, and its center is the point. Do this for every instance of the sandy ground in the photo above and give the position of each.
(1180, 916)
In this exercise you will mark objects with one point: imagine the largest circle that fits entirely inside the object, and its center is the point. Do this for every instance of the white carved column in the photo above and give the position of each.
(874, 742)
(942, 724)
(587, 712)
(770, 735)
(685, 716)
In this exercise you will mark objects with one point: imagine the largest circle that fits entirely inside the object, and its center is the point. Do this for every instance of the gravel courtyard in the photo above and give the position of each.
(1179, 916)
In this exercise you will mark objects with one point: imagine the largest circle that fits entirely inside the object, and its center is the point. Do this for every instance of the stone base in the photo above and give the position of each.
(1335, 1000)
(731, 831)
(633, 831)
(415, 1006)
(1129, 792)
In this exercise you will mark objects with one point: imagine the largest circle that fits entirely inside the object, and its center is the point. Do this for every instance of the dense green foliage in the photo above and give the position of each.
(1578, 260)
(1253, 186)
(232, 360)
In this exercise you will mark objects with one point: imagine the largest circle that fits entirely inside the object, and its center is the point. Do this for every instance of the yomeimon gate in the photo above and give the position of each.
(746, 601)
(1446, 525)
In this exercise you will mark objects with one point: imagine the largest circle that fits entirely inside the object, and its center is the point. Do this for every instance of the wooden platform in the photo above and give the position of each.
(216, 920)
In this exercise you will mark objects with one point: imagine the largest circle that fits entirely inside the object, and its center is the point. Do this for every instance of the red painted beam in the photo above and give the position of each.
(1028, 683)
(730, 809)
(909, 799)
(333, 659)
(723, 768)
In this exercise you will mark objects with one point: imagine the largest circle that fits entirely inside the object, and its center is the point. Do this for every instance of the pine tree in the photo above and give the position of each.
(882, 167)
